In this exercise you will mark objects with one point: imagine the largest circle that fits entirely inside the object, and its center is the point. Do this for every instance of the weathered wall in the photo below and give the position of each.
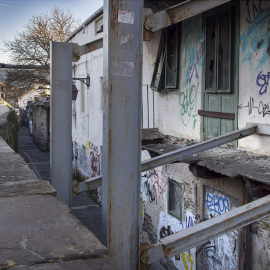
(40, 120)
(254, 71)
(87, 110)
(157, 222)
(216, 197)
(260, 242)
(176, 112)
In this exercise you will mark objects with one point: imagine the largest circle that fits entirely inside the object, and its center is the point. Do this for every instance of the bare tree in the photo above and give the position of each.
(31, 47)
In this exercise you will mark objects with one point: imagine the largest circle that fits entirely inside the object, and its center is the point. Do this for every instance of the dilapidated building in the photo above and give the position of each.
(205, 73)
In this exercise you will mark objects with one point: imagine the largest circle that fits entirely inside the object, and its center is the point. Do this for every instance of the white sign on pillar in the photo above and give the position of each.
(60, 119)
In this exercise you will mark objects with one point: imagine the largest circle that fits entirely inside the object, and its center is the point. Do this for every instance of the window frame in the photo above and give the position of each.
(170, 211)
(162, 59)
(216, 13)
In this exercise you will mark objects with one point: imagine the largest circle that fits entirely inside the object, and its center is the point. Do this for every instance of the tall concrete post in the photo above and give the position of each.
(122, 131)
(60, 119)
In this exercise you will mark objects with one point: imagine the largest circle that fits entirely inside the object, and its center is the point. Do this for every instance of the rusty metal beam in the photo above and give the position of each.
(122, 88)
(196, 148)
(88, 184)
(78, 50)
(212, 228)
(178, 13)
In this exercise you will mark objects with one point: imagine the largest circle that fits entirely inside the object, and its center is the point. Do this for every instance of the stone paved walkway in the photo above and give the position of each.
(37, 230)
(85, 209)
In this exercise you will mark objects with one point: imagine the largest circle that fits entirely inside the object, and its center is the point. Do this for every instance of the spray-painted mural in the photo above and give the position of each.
(193, 58)
(169, 225)
(255, 41)
(153, 185)
(222, 252)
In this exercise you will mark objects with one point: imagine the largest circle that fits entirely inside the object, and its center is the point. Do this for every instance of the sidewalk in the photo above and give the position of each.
(37, 230)
(85, 209)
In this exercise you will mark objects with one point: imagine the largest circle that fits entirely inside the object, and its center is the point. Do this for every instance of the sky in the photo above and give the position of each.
(14, 14)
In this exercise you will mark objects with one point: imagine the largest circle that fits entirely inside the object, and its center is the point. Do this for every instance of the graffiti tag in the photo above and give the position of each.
(188, 103)
(263, 81)
(217, 203)
(262, 108)
(256, 7)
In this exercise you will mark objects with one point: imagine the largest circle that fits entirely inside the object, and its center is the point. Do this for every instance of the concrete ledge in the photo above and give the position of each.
(39, 232)
(28, 187)
(14, 168)
(41, 229)
(97, 264)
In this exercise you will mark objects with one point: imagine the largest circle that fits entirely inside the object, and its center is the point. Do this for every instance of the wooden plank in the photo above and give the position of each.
(217, 114)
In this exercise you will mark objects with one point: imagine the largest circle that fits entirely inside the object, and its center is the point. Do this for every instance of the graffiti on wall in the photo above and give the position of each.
(253, 9)
(255, 41)
(222, 252)
(193, 48)
(169, 225)
(261, 108)
(188, 104)
(88, 157)
(263, 82)
(153, 185)
(217, 203)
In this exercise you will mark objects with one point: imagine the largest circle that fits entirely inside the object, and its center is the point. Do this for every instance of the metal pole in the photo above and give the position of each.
(122, 131)
(60, 141)
(148, 104)
(153, 108)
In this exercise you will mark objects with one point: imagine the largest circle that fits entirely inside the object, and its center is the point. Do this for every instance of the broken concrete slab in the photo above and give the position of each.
(27, 187)
(90, 264)
(41, 229)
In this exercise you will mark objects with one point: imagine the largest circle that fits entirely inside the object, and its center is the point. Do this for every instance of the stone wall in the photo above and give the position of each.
(9, 127)
(40, 126)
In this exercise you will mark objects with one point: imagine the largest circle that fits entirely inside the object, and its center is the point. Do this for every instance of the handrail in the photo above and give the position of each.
(172, 156)
(196, 148)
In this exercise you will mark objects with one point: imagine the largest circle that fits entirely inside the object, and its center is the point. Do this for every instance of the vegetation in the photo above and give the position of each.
(31, 47)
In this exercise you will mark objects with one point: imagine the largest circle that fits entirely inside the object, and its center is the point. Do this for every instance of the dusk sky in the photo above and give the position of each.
(14, 14)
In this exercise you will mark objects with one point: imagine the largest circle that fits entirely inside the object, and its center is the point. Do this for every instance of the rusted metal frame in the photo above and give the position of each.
(78, 50)
(122, 88)
(180, 12)
(212, 228)
(88, 184)
(222, 115)
(196, 148)
(60, 119)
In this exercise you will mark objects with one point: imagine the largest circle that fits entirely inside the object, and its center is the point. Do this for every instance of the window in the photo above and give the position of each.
(175, 199)
(166, 70)
(218, 52)
(99, 25)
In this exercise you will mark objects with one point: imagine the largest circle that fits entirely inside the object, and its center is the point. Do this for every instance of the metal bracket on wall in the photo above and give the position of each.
(78, 50)
(179, 12)
(88, 184)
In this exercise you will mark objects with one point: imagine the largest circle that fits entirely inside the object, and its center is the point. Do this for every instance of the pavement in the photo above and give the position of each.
(83, 207)
(3, 108)
(38, 231)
